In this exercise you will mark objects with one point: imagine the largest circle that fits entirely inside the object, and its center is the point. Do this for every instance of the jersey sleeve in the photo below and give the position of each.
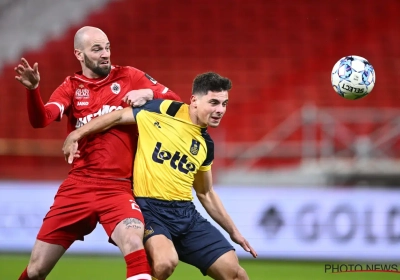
(210, 153)
(141, 80)
(61, 97)
(150, 106)
(41, 115)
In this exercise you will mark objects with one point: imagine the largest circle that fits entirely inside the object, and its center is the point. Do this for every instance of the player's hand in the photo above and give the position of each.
(70, 148)
(239, 239)
(137, 98)
(28, 76)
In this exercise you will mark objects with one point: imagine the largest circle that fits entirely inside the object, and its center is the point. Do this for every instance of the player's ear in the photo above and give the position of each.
(78, 54)
(193, 100)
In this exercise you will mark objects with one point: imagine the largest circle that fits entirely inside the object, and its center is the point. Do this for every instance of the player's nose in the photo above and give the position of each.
(105, 54)
(220, 109)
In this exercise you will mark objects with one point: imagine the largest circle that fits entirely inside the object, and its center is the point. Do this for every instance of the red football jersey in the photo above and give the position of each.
(109, 154)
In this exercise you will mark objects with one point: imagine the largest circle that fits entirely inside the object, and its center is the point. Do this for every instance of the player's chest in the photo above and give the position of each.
(183, 150)
(90, 98)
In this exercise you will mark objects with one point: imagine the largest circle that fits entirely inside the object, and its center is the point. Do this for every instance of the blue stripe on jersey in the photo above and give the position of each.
(151, 106)
(210, 148)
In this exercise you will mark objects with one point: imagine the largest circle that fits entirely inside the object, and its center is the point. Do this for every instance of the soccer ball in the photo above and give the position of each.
(353, 77)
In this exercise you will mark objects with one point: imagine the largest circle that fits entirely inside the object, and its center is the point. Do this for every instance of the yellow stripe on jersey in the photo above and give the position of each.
(171, 149)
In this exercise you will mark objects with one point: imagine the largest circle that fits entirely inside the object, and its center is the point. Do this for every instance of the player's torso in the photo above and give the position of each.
(172, 152)
(108, 154)
(91, 100)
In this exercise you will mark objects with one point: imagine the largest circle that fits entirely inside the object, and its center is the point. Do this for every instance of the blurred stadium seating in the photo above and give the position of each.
(278, 53)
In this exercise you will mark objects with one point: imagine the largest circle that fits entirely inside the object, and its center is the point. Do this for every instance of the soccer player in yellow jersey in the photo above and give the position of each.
(175, 153)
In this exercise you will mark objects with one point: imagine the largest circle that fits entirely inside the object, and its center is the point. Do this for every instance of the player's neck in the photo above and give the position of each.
(90, 74)
(194, 118)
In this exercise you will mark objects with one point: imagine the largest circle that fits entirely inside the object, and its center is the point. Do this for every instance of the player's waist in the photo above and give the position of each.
(162, 193)
(166, 203)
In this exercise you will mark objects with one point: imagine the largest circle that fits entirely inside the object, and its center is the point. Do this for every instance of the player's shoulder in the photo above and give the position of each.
(161, 106)
(68, 79)
(152, 106)
(206, 136)
(127, 69)
(67, 84)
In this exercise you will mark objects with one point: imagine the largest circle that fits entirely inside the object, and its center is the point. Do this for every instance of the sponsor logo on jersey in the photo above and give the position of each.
(176, 161)
(151, 79)
(82, 103)
(194, 149)
(102, 111)
(81, 92)
(115, 88)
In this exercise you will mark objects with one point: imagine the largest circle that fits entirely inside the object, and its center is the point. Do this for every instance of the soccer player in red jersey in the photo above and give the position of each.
(98, 187)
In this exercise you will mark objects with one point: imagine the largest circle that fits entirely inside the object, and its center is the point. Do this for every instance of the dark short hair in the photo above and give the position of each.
(210, 81)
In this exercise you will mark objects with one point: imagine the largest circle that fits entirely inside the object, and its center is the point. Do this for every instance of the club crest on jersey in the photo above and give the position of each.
(115, 88)
(148, 231)
(151, 78)
(82, 92)
(194, 149)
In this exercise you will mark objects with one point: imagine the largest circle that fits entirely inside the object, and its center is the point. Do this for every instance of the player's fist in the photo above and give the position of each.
(137, 98)
(28, 76)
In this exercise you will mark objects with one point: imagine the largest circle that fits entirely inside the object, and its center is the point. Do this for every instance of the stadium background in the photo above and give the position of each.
(309, 177)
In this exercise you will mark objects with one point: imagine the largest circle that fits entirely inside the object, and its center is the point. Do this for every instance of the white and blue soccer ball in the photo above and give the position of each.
(353, 77)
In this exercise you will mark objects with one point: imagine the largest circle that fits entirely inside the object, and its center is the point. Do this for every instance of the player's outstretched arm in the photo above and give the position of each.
(119, 117)
(214, 207)
(39, 114)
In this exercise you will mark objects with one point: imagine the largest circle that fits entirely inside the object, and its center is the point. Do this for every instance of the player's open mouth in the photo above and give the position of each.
(215, 118)
(104, 63)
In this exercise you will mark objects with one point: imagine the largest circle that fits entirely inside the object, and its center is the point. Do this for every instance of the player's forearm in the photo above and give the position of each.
(99, 124)
(214, 207)
(169, 94)
(39, 115)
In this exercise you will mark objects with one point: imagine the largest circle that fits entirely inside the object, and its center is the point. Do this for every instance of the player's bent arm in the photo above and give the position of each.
(104, 122)
(137, 98)
(214, 207)
(119, 117)
(211, 201)
(169, 94)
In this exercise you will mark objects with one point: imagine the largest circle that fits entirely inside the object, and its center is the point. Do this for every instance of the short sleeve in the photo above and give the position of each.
(150, 106)
(210, 152)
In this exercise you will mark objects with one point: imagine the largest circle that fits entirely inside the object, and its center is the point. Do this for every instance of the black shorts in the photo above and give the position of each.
(196, 240)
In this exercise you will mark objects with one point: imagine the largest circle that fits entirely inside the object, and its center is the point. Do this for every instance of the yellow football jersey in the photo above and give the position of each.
(171, 149)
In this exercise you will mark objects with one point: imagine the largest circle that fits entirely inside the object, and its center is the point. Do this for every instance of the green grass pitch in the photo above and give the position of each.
(84, 267)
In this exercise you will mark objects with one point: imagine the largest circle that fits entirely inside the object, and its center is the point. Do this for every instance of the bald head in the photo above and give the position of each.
(92, 49)
(85, 35)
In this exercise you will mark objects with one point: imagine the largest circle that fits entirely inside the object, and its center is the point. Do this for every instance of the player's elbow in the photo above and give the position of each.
(124, 116)
(203, 196)
(37, 124)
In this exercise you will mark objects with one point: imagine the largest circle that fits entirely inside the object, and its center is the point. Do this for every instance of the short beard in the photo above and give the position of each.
(96, 68)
